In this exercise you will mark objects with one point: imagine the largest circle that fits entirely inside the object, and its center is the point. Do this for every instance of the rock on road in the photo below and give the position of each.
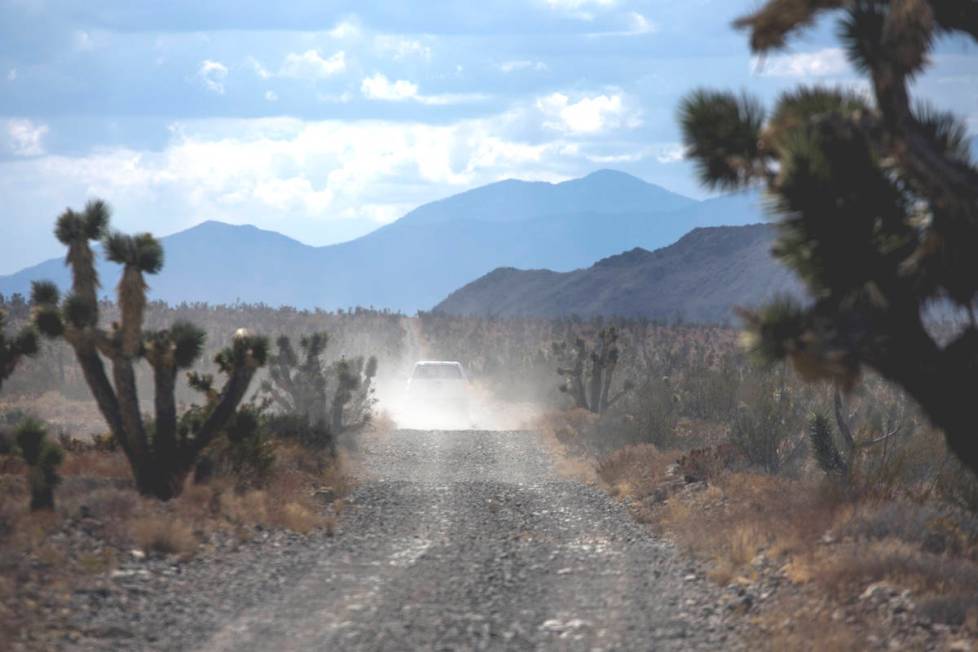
(453, 540)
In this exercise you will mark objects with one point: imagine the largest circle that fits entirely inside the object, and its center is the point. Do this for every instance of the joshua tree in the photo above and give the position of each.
(43, 459)
(353, 397)
(877, 202)
(300, 385)
(160, 454)
(12, 350)
(297, 386)
(588, 378)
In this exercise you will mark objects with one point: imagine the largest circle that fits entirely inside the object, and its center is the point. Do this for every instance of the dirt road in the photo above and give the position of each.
(454, 540)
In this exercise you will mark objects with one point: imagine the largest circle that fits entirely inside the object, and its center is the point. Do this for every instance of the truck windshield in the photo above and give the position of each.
(439, 371)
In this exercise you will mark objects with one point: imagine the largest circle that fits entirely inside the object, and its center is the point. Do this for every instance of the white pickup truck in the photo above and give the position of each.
(439, 389)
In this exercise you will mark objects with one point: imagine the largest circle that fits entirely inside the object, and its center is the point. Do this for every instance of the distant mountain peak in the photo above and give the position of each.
(608, 173)
(602, 192)
(219, 225)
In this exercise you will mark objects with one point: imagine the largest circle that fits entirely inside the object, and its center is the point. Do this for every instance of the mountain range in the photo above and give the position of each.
(416, 261)
(700, 278)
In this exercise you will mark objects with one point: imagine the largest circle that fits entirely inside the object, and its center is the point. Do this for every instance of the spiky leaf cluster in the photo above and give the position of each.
(245, 350)
(79, 311)
(182, 344)
(141, 250)
(721, 133)
(89, 224)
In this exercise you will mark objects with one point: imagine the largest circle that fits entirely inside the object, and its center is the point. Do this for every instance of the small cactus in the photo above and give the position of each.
(43, 458)
(826, 452)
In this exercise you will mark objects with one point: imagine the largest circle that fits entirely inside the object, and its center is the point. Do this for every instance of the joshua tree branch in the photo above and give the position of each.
(227, 403)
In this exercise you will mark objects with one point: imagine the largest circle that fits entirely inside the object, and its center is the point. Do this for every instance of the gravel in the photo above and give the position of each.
(452, 540)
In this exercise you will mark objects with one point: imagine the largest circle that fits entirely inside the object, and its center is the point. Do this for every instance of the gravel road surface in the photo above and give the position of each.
(453, 541)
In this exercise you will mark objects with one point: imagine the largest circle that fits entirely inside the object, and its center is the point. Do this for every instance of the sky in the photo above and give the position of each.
(325, 119)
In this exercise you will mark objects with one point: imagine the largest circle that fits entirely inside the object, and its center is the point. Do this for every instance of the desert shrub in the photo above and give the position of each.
(634, 470)
(709, 463)
(931, 527)
(768, 422)
(954, 610)
(654, 410)
(708, 388)
(957, 486)
(246, 452)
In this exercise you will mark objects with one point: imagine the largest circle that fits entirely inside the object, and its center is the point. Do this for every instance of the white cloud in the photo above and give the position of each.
(588, 115)
(823, 63)
(213, 74)
(605, 159)
(662, 152)
(311, 65)
(670, 153)
(345, 29)
(271, 96)
(639, 24)
(378, 87)
(635, 24)
(25, 137)
(260, 70)
(445, 99)
(400, 48)
(12, 74)
(333, 98)
(523, 64)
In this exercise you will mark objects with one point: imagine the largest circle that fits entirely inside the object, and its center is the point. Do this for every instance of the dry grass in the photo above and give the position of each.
(96, 464)
(163, 535)
(635, 471)
(849, 567)
(743, 515)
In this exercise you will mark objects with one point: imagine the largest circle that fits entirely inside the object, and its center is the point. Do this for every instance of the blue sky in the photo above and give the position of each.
(322, 119)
